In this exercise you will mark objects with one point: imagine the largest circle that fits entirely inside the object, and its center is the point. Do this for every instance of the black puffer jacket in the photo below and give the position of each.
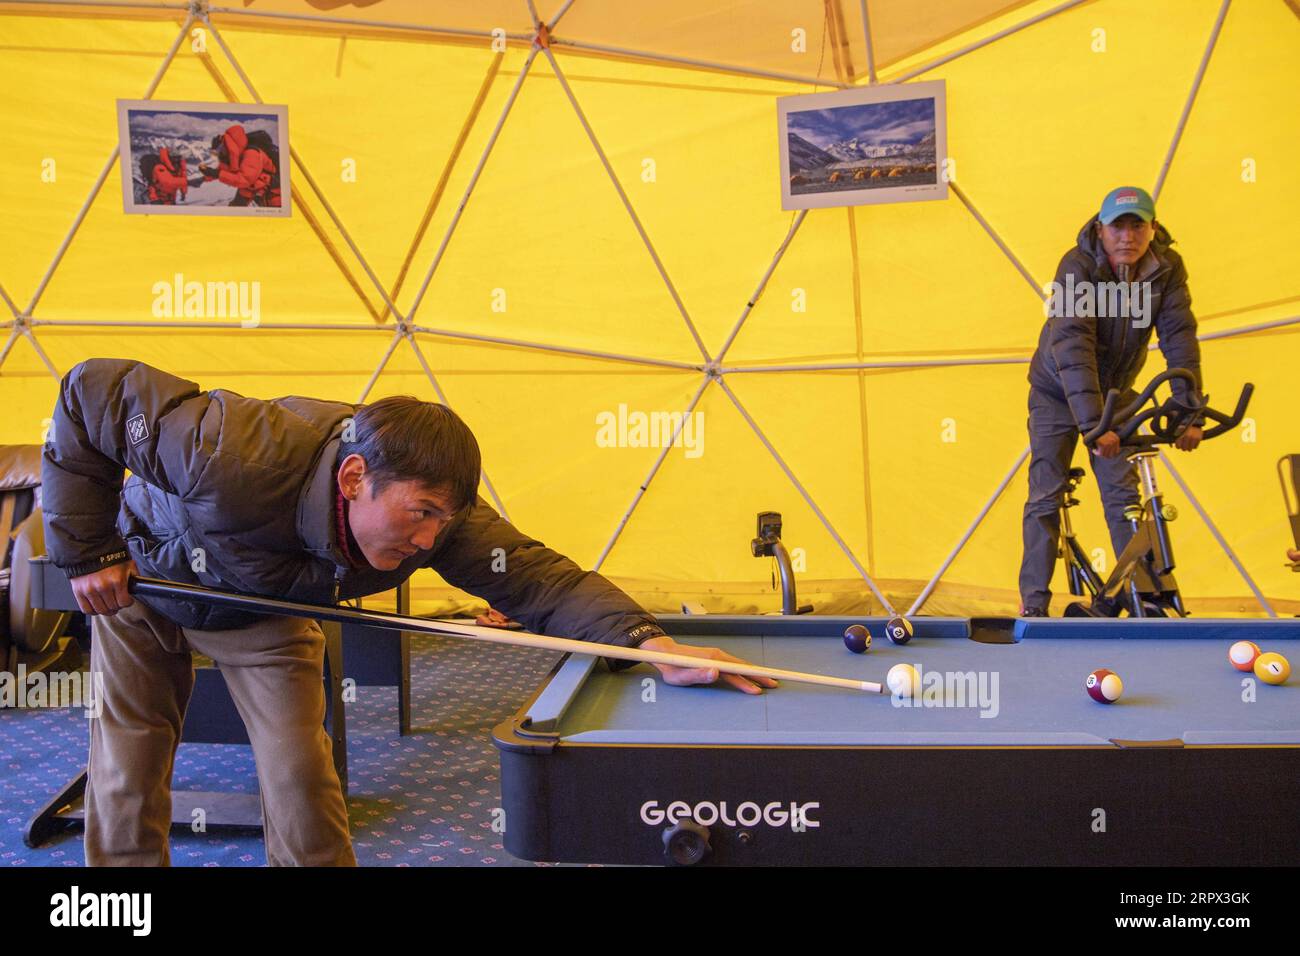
(253, 484)
(1079, 359)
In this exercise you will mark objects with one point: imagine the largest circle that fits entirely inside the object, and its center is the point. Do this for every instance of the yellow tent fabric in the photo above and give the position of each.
(537, 304)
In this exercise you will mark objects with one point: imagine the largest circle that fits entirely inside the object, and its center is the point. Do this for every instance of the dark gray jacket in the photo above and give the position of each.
(1080, 359)
(253, 484)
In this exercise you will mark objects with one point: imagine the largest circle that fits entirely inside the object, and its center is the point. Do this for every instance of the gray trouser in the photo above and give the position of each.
(1053, 435)
(274, 672)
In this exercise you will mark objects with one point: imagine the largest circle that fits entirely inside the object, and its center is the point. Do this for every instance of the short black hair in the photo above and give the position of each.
(404, 439)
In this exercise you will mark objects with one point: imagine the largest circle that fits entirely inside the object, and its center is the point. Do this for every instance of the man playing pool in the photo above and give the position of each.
(298, 498)
(1123, 257)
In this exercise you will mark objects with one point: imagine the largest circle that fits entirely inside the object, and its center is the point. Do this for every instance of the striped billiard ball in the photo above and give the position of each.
(1104, 686)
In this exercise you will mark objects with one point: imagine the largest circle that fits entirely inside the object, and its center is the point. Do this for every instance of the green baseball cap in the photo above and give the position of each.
(1125, 200)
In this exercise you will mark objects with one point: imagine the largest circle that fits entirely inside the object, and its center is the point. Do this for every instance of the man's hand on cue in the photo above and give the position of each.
(493, 618)
(682, 676)
(105, 592)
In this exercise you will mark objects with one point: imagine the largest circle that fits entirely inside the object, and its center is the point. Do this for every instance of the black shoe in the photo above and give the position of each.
(1032, 611)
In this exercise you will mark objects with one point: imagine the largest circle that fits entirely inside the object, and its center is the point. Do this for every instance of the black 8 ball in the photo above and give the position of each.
(857, 639)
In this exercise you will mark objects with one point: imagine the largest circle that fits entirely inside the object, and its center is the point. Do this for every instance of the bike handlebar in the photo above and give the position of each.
(1168, 418)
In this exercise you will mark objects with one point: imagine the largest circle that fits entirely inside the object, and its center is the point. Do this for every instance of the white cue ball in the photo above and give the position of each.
(903, 680)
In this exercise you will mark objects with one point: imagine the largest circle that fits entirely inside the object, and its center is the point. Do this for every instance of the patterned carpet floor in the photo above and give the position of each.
(425, 799)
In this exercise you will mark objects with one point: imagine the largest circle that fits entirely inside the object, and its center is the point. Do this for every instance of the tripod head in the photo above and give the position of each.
(1168, 419)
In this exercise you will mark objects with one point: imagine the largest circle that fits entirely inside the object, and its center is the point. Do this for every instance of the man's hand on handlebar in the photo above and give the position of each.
(1190, 438)
(105, 592)
(1107, 446)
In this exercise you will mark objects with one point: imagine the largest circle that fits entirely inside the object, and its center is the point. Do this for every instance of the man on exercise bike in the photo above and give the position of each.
(1119, 282)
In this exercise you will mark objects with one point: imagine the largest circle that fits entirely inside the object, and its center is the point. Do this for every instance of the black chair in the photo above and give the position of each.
(36, 639)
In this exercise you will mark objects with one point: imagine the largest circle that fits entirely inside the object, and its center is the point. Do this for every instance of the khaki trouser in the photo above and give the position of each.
(274, 672)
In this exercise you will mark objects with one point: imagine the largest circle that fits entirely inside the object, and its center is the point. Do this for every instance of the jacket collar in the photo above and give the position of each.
(316, 505)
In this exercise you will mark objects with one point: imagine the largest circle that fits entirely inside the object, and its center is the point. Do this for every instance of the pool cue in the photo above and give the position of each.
(154, 587)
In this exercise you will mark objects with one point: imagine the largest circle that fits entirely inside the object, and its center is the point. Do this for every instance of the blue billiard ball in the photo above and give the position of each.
(857, 639)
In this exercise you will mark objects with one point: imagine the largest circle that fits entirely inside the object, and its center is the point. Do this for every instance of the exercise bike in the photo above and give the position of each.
(1142, 582)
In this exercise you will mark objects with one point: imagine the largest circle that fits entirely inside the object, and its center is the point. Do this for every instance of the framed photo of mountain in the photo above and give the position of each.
(204, 159)
(863, 146)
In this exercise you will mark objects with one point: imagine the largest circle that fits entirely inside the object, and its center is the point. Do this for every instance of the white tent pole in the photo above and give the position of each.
(702, 64)
(970, 48)
(103, 174)
(866, 31)
(521, 37)
(654, 470)
(190, 325)
(9, 343)
(388, 353)
(1241, 330)
(860, 380)
(448, 167)
(338, 223)
(428, 372)
(8, 301)
(952, 555)
(186, 324)
(473, 181)
(1223, 543)
(1191, 98)
(1006, 250)
(1247, 329)
(627, 203)
(807, 497)
(558, 14)
(561, 349)
(851, 366)
(762, 283)
(41, 352)
(351, 327)
(368, 24)
(835, 34)
(399, 27)
(124, 4)
(594, 353)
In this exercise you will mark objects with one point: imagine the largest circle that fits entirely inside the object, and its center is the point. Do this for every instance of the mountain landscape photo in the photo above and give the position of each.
(863, 146)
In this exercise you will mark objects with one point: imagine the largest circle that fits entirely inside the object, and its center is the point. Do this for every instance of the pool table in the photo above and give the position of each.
(1004, 759)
